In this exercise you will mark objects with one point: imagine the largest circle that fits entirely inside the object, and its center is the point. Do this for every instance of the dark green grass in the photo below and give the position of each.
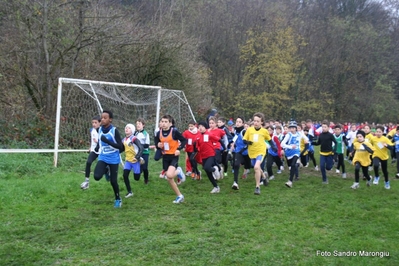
(46, 219)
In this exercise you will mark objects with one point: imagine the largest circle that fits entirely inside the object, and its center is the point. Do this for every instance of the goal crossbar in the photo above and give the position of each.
(130, 101)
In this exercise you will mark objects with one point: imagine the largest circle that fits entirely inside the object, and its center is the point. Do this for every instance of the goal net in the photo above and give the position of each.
(78, 101)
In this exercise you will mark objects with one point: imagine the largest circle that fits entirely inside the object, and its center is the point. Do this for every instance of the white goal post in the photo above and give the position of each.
(79, 100)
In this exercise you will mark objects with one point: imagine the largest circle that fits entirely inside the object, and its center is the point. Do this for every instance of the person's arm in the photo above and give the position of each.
(278, 144)
(367, 148)
(305, 149)
(146, 144)
(178, 136)
(334, 150)
(141, 148)
(316, 142)
(246, 138)
(284, 142)
(118, 145)
(157, 139)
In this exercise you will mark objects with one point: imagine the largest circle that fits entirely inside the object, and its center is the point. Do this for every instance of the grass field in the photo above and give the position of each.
(46, 219)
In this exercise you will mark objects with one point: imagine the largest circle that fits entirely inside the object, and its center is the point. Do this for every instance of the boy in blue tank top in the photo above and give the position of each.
(109, 146)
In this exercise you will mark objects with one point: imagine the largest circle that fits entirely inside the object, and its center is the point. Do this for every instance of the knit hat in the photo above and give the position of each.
(292, 124)
(361, 132)
(203, 123)
(132, 127)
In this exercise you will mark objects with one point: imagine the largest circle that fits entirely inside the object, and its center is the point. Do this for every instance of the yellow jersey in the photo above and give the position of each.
(381, 151)
(258, 138)
(361, 154)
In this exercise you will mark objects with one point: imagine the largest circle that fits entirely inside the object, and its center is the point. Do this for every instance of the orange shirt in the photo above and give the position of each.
(169, 144)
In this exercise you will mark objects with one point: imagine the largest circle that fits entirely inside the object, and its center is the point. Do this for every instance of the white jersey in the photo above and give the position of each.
(93, 140)
(320, 129)
(351, 136)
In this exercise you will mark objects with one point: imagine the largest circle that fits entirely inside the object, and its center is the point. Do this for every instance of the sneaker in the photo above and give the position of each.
(198, 176)
(84, 185)
(179, 199)
(376, 179)
(272, 177)
(316, 168)
(364, 178)
(221, 173)
(397, 175)
(288, 184)
(337, 171)
(296, 178)
(107, 175)
(278, 171)
(163, 174)
(325, 182)
(216, 173)
(387, 186)
(118, 203)
(193, 176)
(281, 168)
(257, 191)
(370, 168)
(128, 195)
(355, 186)
(344, 175)
(188, 173)
(215, 190)
(180, 174)
(245, 174)
(368, 183)
(307, 165)
(235, 186)
(146, 181)
(265, 181)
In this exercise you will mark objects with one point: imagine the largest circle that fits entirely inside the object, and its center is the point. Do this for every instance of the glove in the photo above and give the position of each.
(229, 156)
(249, 142)
(104, 139)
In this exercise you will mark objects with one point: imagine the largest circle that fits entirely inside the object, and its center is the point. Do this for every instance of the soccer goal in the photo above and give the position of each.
(78, 101)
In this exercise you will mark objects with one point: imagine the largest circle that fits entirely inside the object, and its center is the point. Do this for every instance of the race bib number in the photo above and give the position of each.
(206, 138)
(380, 145)
(166, 146)
(255, 137)
(108, 149)
(190, 142)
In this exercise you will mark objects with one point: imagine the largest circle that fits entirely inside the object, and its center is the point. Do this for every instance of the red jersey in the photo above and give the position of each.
(219, 134)
(278, 144)
(205, 144)
(191, 138)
